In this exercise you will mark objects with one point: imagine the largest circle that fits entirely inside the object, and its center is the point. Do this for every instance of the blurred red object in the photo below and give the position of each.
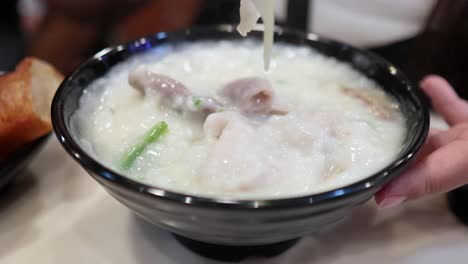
(74, 29)
(159, 16)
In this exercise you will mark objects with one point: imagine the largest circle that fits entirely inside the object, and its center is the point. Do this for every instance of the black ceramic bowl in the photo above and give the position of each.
(239, 222)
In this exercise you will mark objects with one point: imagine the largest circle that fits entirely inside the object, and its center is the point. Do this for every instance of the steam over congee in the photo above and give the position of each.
(206, 119)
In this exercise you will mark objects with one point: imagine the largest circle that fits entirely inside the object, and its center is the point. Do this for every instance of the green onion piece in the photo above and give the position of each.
(197, 101)
(150, 137)
(371, 124)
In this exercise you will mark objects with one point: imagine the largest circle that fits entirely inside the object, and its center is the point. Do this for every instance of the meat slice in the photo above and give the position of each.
(381, 106)
(147, 81)
(252, 96)
(217, 122)
(236, 162)
(172, 92)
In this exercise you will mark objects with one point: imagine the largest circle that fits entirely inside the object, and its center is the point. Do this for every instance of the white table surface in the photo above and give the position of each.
(56, 213)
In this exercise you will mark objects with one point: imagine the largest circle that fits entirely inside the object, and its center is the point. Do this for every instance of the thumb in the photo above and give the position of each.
(441, 171)
(445, 100)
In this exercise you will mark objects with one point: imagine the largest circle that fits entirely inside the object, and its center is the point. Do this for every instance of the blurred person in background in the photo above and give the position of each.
(11, 39)
(420, 36)
(31, 13)
(72, 30)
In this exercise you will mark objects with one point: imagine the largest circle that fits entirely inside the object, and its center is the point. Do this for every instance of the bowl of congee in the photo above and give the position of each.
(232, 140)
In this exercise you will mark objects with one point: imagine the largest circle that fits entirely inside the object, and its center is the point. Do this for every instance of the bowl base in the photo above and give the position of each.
(234, 253)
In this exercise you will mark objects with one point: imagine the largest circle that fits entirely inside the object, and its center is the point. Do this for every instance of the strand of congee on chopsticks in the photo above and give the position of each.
(250, 12)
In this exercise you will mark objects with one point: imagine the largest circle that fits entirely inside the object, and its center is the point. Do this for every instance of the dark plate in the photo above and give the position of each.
(230, 221)
(16, 162)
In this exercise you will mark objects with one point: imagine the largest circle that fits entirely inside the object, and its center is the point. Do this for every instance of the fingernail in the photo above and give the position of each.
(391, 202)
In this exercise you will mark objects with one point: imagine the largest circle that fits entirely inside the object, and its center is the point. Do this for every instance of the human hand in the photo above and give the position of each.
(442, 164)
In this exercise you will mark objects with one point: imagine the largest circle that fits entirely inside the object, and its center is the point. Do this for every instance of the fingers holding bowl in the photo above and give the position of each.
(442, 163)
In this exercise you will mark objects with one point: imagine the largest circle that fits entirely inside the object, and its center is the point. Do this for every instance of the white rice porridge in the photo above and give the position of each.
(318, 125)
